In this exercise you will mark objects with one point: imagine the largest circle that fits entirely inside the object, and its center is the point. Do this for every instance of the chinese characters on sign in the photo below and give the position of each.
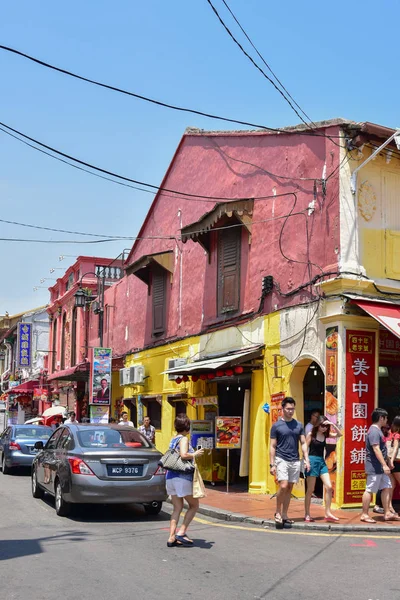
(101, 377)
(24, 345)
(360, 390)
(276, 410)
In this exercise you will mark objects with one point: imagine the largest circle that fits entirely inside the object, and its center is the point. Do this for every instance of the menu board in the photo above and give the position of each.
(228, 432)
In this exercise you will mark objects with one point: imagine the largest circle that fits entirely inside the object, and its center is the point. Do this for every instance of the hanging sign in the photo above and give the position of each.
(24, 336)
(101, 376)
(360, 400)
(276, 406)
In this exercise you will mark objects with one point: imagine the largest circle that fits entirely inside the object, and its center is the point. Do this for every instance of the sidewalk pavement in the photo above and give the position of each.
(259, 509)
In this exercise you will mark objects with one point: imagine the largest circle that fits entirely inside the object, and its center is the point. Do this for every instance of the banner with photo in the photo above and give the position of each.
(101, 376)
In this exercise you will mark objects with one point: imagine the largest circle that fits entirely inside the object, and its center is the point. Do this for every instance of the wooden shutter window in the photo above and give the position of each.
(229, 245)
(159, 288)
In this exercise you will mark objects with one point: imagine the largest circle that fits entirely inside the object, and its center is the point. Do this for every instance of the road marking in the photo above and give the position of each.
(366, 544)
(291, 532)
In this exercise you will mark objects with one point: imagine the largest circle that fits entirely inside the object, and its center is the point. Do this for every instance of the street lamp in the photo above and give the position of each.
(83, 298)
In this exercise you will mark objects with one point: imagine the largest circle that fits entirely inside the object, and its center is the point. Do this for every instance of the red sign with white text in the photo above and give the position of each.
(360, 401)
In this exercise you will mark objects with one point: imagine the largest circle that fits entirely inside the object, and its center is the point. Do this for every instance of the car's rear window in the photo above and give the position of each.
(99, 437)
(40, 433)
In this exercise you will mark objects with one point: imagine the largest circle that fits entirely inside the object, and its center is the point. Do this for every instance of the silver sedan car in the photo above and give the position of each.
(99, 464)
(17, 445)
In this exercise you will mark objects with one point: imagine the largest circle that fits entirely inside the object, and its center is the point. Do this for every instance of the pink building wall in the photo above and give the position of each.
(292, 249)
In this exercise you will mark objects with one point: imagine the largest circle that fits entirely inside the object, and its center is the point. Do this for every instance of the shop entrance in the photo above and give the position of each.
(231, 396)
(313, 391)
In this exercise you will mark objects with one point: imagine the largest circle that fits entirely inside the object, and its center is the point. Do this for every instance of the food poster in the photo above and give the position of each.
(331, 401)
(228, 432)
(360, 400)
(276, 406)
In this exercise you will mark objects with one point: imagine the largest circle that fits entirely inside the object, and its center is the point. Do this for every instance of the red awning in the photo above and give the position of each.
(24, 388)
(78, 373)
(387, 314)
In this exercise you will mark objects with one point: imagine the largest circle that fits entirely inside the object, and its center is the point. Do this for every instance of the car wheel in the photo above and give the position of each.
(153, 509)
(62, 507)
(6, 470)
(37, 491)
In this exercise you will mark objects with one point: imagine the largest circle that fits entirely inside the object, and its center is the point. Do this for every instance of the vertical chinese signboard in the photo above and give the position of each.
(360, 400)
(331, 401)
(101, 376)
(24, 355)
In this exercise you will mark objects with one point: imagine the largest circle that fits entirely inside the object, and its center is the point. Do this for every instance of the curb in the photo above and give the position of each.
(222, 515)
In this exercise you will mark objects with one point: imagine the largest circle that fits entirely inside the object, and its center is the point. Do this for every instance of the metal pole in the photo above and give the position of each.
(227, 470)
(353, 179)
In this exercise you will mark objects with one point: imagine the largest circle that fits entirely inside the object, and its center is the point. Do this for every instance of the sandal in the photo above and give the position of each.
(288, 521)
(309, 519)
(184, 540)
(367, 520)
(278, 521)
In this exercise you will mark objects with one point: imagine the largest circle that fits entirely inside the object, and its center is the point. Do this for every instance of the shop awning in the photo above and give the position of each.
(24, 388)
(387, 314)
(78, 373)
(221, 362)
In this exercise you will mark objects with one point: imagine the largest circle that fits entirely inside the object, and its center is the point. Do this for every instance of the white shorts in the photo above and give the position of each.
(179, 487)
(287, 471)
(377, 482)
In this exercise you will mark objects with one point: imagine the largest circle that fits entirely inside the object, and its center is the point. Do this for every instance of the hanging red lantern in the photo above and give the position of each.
(185, 378)
(210, 376)
(203, 377)
(239, 370)
(220, 373)
(195, 378)
(229, 372)
(178, 380)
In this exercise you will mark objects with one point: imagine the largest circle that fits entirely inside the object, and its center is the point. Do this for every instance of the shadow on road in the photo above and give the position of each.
(10, 549)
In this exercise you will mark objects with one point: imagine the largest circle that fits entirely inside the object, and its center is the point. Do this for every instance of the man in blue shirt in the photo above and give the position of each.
(285, 436)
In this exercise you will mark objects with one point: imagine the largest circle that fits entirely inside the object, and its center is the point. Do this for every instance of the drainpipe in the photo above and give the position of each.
(353, 180)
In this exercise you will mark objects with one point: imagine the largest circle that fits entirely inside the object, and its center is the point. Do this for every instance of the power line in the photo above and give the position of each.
(264, 61)
(184, 195)
(152, 100)
(264, 73)
(254, 62)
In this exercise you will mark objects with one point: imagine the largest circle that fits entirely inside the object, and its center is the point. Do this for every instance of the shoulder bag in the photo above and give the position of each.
(172, 460)
(390, 448)
(199, 489)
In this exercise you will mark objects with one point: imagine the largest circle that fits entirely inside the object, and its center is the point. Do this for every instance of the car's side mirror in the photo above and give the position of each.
(39, 446)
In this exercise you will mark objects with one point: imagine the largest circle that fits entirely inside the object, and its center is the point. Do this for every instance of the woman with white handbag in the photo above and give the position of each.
(179, 483)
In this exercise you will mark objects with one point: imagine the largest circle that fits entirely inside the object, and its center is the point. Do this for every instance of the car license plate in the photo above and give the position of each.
(125, 470)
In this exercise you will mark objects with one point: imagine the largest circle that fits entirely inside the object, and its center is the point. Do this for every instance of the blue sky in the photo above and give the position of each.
(335, 59)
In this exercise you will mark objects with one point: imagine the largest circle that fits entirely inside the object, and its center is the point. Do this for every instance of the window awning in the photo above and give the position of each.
(387, 314)
(78, 373)
(142, 267)
(199, 230)
(221, 362)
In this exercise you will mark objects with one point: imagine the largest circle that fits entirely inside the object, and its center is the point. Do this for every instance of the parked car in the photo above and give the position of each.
(17, 445)
(99, 464)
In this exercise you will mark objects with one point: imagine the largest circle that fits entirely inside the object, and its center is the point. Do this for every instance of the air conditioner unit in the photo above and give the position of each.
(175, 362)
(132, 375)
(124, 377)
(138, 374)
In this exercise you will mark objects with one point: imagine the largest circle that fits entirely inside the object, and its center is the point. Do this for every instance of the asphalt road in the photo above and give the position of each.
(118, 553)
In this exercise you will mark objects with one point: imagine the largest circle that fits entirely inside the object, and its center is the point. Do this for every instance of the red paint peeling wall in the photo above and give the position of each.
(237, 165)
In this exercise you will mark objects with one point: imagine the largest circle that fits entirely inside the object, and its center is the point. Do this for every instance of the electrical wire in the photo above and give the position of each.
(265, 62)
(185, 195)
(146, 99)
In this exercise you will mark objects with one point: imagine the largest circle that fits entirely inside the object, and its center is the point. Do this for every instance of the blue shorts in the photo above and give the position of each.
(317, 467)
